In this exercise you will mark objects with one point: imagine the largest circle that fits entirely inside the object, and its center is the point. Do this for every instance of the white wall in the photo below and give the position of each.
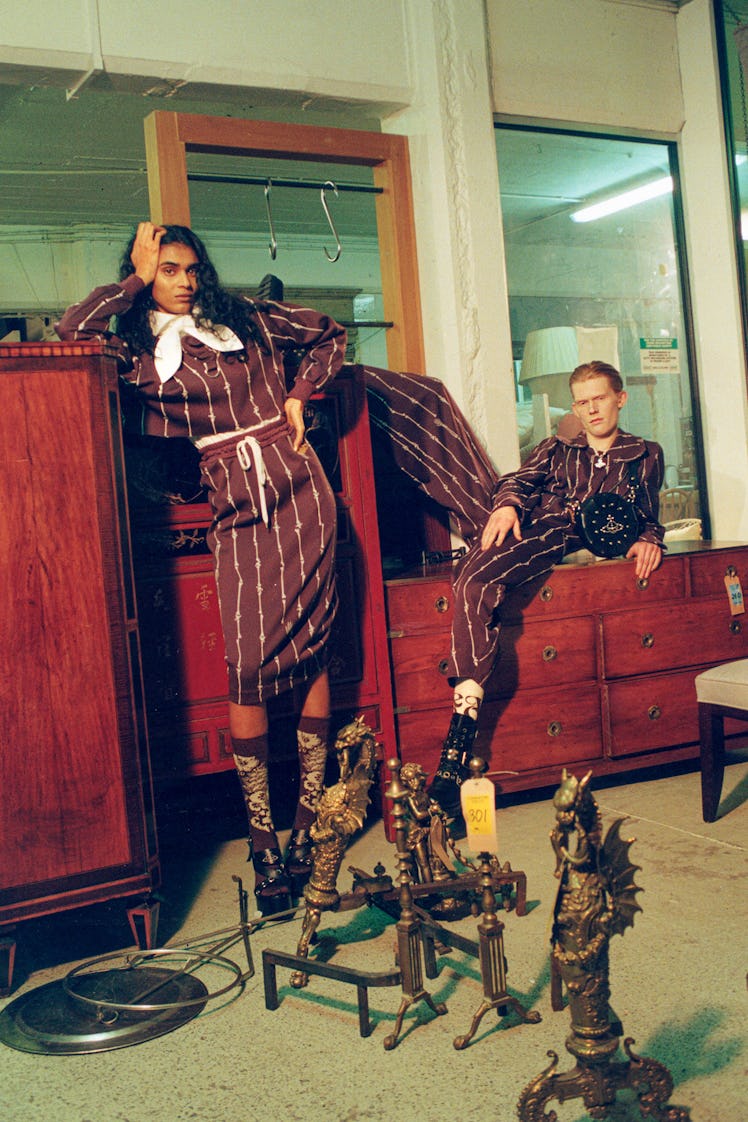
(52, 36)
(44, 269)
(458, 218)
(603, 63)
(355, 50)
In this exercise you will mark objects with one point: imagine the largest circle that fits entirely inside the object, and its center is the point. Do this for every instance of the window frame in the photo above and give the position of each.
(683, 277)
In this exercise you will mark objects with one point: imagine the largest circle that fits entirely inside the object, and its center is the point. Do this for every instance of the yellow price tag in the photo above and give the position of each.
(734, 592)
(478, 799)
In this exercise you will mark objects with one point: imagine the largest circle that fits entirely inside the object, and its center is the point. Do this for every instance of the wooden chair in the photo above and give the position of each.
(721, 691)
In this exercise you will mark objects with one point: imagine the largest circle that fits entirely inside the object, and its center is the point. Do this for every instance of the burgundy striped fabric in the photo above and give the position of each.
(431, 441)
(558, 475)
(276, 582)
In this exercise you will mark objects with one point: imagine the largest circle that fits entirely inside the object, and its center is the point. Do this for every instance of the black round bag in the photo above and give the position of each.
(607, 524)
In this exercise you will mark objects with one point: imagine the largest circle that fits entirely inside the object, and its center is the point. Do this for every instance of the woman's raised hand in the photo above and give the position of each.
(145, 250)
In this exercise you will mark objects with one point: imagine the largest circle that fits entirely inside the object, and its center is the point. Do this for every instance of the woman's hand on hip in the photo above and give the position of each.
(295, 417)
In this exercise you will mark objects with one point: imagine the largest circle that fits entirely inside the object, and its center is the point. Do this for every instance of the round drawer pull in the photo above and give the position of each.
(549, 653)
(654, 712)
(441, 603)
(642, 583)
(554, 728)
(443, 665)
(736, 626)
(648, 640)
(546, 593)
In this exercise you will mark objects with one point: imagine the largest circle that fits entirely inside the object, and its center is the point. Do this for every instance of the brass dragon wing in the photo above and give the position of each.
(619, 872)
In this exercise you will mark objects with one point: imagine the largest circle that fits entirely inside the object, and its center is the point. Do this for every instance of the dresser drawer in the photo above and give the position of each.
(690, 634)
(416, 605)
(540, 654)
(658, 711)
(570, 590)
(708, 571)
(543, 728)
(534, 729)
(197, 745)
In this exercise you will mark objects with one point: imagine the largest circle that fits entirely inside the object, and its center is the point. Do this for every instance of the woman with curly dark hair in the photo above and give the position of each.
(210, 366)
(216, 305)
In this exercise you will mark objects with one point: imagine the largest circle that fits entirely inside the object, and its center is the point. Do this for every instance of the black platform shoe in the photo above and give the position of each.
(453, 770)
(299, 860)
(272, 886)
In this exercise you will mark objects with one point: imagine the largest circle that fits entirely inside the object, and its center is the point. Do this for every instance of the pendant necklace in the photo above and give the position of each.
(600, 462)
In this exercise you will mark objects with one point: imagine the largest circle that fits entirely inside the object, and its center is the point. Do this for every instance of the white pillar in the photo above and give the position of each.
(458, 217)
(720, 350)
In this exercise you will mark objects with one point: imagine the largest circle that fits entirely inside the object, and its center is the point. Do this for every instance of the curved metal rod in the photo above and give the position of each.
(326, 208)
(273, 247)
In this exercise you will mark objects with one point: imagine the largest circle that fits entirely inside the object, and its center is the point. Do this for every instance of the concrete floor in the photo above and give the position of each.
(678, 981)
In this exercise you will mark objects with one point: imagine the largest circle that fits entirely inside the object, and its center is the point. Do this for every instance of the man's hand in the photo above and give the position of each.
(146, 249)
(501, 521)
(648, 557)
(295, 417)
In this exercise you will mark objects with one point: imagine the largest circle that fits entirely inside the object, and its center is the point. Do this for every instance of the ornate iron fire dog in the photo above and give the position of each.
(409, 933)
(340, 813)
(493, 966)
(426, 874)
(596, 899)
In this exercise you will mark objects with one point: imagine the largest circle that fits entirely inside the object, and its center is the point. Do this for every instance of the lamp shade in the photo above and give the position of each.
(550, 355)
(550, 350)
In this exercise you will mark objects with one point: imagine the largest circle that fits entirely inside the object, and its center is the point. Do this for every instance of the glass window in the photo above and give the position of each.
(594, 272)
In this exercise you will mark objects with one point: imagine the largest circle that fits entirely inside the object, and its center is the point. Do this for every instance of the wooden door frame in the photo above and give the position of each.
(168, 137)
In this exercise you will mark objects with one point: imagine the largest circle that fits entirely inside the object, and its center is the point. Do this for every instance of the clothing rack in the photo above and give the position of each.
(267, 183)
(262, 181)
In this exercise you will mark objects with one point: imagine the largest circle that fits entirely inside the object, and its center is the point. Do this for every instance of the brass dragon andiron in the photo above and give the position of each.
(426, 873)
(340, 813)
(596, 899)
(410, 950)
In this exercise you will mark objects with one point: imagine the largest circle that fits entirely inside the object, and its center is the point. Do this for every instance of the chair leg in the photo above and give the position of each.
(712, 739)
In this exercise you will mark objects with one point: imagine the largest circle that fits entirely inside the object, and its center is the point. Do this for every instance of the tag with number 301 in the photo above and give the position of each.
(734, 592)
(478, 799)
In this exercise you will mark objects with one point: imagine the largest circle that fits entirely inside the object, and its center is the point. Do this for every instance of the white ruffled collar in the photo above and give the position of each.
(169, 329)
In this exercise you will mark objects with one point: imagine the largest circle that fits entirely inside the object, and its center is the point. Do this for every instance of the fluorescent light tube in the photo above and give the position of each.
(637, 195)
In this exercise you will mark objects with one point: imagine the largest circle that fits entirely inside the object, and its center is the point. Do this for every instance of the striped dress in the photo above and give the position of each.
(273, 529)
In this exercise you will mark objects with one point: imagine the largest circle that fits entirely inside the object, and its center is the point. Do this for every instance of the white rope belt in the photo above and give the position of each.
(248, 450)
(204, 442)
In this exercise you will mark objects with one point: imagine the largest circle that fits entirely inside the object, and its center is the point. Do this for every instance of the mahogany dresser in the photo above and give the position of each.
(76, 813)
(596, 669)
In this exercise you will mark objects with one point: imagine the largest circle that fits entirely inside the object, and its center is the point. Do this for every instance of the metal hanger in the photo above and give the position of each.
(325, 207)
(273, 247)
